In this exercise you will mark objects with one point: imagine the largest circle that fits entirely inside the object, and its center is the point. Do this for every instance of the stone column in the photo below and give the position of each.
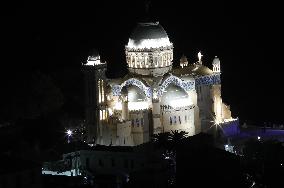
(197, 123)
(156, 114)
(125, 111)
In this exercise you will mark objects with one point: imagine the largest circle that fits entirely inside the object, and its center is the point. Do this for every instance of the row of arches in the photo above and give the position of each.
(149, 60)
(171, 80)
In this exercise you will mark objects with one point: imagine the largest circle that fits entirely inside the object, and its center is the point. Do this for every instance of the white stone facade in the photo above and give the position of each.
(153, 97)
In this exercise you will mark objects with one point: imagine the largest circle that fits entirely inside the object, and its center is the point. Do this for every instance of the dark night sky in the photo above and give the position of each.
(57, 38)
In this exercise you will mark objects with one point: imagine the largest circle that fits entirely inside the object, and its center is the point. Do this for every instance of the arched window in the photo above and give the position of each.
(133, 62)
(132, 122)
(171, 122)
(156, 61)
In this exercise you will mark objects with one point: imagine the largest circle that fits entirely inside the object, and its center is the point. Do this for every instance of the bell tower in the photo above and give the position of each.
(95, 97)
(216, 65)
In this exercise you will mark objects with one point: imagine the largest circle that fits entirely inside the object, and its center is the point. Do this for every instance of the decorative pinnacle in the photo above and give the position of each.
(199, 57)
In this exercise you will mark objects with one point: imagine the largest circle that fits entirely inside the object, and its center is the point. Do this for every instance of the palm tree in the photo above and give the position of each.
(168, 142)
(161, 139)
(176, 137)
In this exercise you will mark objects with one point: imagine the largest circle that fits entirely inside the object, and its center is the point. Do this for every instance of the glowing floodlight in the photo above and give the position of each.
(69, 135)
(69, 132)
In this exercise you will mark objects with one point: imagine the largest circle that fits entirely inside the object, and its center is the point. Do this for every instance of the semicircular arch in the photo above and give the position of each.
(133, 81)
(185, 85)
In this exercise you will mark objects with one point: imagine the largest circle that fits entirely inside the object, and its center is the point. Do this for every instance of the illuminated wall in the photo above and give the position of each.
(153, 97)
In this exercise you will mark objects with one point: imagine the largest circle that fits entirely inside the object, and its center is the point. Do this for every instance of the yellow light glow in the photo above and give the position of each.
(99, 87)
(110, 112)
(118, 106)
(104, 115)
(101, 114)
(103, 92)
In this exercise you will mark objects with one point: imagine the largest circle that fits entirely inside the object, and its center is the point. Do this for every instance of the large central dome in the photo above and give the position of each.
(148, 35)
(149, 50)
(148, 31)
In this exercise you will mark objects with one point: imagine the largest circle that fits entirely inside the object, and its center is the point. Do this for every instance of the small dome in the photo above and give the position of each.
(134, 94)
(174, 92)
(148, 35)
(175, 96)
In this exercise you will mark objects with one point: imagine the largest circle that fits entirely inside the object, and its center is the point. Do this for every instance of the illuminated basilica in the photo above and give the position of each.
(154, 96)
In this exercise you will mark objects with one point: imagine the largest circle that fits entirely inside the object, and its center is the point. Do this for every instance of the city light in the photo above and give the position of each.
(69, 135)
(69, 132)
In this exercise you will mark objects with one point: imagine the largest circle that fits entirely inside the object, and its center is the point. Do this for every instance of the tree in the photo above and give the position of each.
(168, 142)
(176, 137)
(161, 140)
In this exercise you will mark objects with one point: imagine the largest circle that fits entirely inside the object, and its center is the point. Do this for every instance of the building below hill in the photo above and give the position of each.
(149, 165)
(110, 165)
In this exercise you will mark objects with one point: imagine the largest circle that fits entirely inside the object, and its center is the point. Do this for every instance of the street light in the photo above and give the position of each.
(69, 134)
